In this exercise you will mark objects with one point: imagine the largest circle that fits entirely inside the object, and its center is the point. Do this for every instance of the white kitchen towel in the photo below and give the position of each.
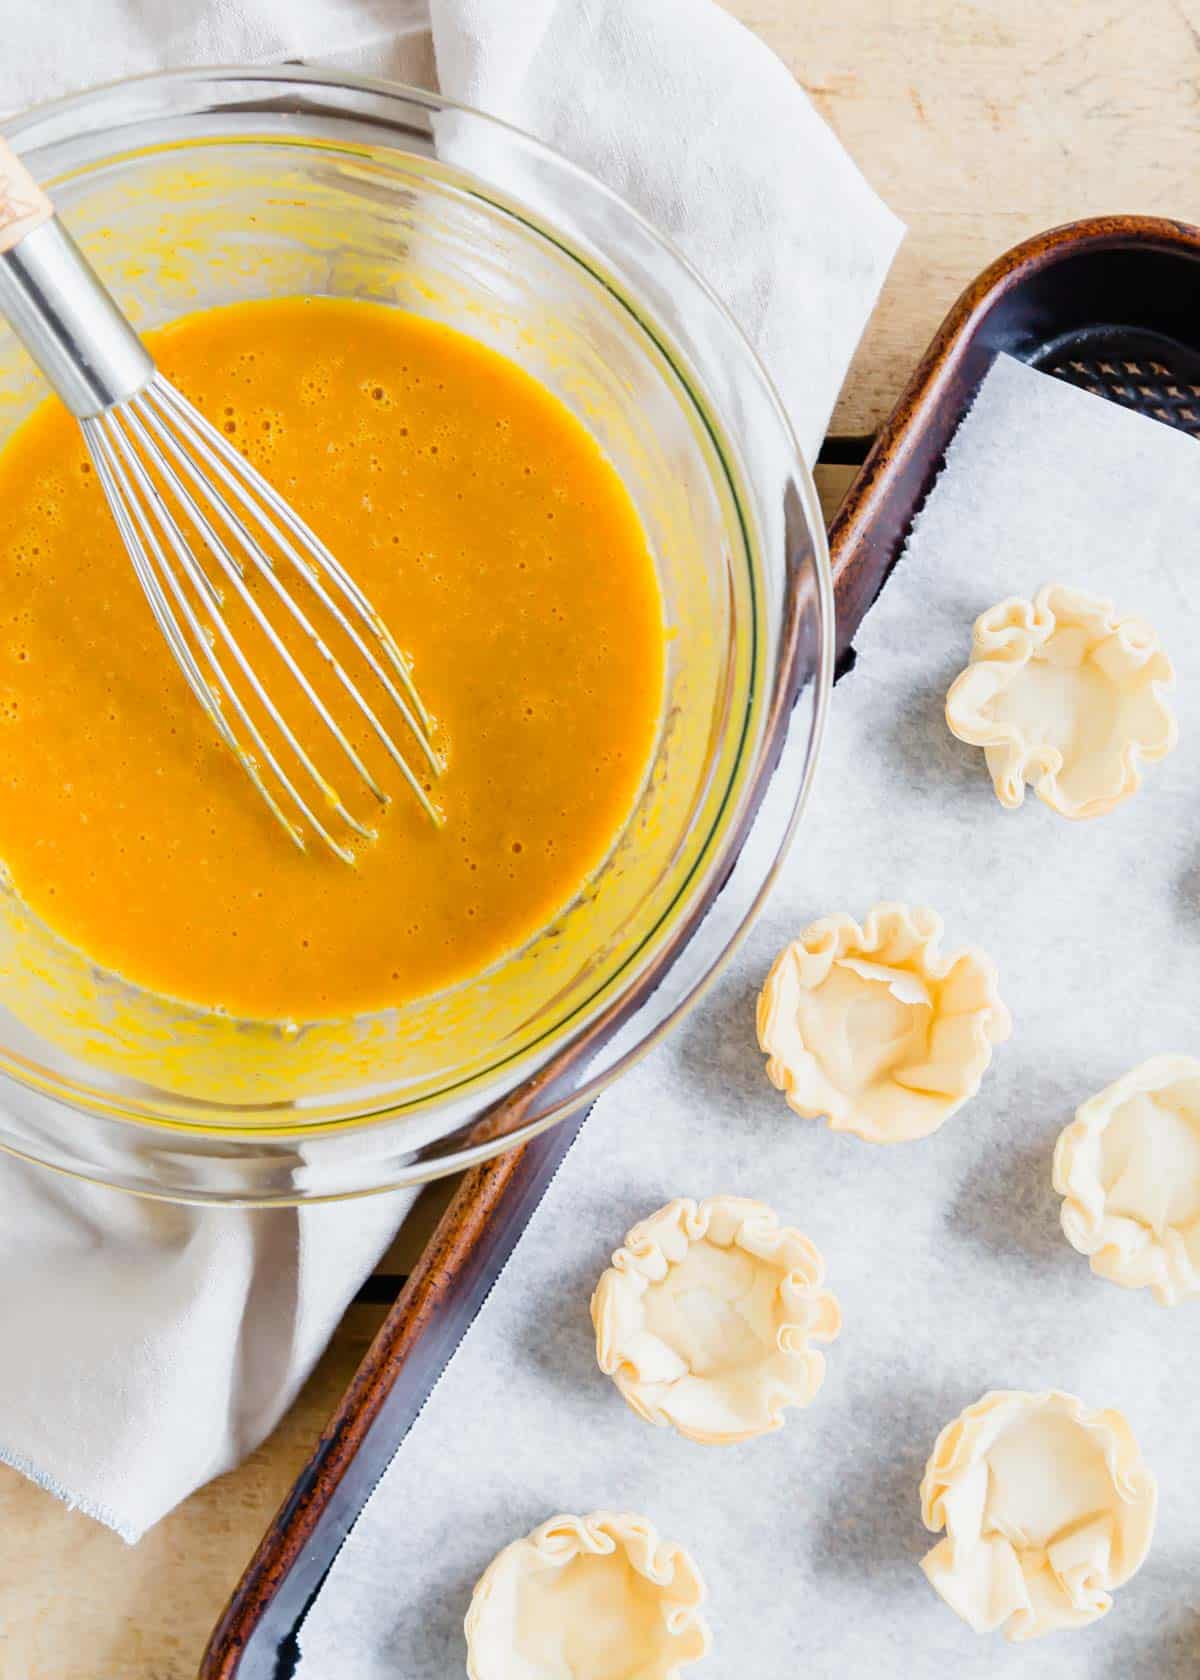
(145, 1349)
(96, 41)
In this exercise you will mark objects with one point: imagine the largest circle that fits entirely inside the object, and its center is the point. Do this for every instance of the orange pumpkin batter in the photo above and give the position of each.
(499, 545)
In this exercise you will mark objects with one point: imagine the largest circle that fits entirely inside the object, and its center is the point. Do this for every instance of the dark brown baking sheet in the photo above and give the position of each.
(1111, 304)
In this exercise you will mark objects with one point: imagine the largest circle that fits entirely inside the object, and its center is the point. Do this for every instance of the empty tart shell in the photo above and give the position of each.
(1047, 1508)
(1067, 695)
(875, 1028)
(596, 1598)
(705, 1320)
(1128, 1170)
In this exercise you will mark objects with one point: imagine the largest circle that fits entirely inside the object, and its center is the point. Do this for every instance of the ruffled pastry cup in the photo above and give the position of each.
(1128, 1169)
(596, 1598)
(705, 1318)
(1065, 694)
(1047, 1508)
(874, 1028)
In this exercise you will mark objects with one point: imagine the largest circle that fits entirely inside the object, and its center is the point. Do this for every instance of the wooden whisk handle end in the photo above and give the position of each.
(23, 204)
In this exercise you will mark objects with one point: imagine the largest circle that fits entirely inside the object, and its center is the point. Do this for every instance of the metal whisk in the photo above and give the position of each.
(203, 527)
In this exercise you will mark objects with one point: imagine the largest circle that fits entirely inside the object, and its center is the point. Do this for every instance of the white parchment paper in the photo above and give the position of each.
(946, 1254)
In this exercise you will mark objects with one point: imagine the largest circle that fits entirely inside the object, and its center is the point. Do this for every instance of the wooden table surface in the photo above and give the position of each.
(980, 124)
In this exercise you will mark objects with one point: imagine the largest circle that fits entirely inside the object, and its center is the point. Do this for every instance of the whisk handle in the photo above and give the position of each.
(57, 304)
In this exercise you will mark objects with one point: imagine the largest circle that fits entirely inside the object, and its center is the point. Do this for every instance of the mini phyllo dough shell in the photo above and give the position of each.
(875, 1028)
(704, 1319)
(1047, 1507)
(1064, 694)
(1128, 1169)
(590, 1597)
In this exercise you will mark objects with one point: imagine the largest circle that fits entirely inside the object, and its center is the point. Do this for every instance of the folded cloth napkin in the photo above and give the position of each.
(148, 1348)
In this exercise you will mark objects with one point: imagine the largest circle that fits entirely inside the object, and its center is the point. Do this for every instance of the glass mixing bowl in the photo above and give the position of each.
(203, 188)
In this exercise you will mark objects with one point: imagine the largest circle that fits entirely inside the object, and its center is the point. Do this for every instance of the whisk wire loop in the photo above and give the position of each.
(320, 559)
(132, 494)
(202, 434)
(133, 438)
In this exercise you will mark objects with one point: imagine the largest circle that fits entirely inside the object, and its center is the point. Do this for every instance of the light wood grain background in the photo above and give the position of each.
(979, 124)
